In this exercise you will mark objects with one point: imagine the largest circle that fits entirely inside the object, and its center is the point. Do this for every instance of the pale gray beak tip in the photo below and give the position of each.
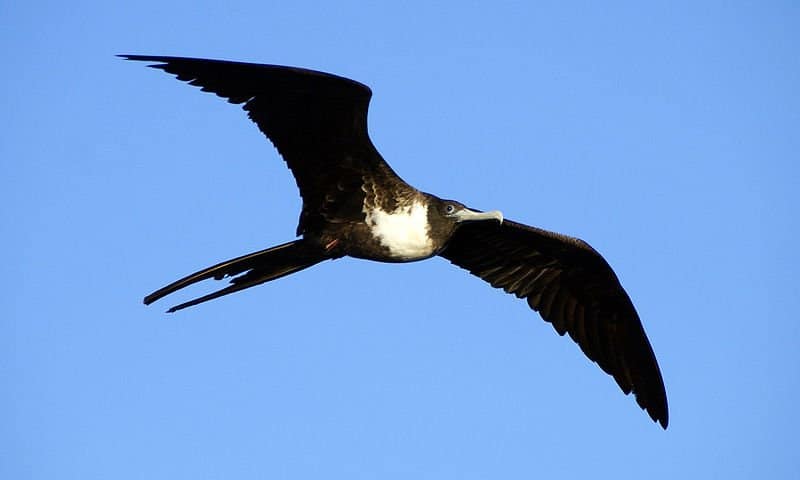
(467, 215)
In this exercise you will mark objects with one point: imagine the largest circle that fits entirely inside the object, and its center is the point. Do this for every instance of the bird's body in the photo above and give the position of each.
(355, 205)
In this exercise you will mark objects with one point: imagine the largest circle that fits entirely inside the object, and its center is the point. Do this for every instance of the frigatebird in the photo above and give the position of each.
(355, 205)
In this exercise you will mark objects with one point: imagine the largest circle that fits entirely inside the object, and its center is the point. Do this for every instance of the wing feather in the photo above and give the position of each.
(574, 289)
(316, 120)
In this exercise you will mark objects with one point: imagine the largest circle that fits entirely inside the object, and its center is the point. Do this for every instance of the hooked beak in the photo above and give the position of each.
(467, 215)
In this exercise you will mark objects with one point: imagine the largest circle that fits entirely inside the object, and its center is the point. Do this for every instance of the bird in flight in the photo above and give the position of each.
(355, 205)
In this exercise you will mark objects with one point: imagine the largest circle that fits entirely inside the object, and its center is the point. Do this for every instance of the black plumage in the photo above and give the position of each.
(355, 205)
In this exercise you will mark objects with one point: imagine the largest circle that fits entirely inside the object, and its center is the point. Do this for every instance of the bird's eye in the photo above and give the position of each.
(449, 209)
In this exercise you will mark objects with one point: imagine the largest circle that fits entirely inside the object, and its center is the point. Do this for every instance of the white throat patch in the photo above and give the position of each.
(404, 232)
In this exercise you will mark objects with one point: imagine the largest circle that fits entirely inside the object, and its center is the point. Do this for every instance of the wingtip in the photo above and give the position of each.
(660, 417)
(143, 58)
(661, 410)
(664, 421)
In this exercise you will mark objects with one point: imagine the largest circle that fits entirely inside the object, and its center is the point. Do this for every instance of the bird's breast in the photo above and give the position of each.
(404, 232)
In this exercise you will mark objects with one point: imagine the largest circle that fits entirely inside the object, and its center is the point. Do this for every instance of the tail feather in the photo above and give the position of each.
(261, 267)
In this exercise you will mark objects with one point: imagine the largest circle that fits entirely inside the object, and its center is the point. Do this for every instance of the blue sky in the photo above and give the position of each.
(666, 136)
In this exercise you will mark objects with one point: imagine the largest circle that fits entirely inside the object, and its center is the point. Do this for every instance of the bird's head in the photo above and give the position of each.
(444, 216)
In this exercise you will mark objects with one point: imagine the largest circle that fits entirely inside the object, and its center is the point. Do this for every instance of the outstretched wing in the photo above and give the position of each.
(317, 121)
(572, 287)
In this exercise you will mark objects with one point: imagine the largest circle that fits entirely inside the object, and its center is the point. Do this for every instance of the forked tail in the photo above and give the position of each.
(255, 269)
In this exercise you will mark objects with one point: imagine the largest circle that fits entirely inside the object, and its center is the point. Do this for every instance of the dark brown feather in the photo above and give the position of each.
(573, 288)
(317, 121)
